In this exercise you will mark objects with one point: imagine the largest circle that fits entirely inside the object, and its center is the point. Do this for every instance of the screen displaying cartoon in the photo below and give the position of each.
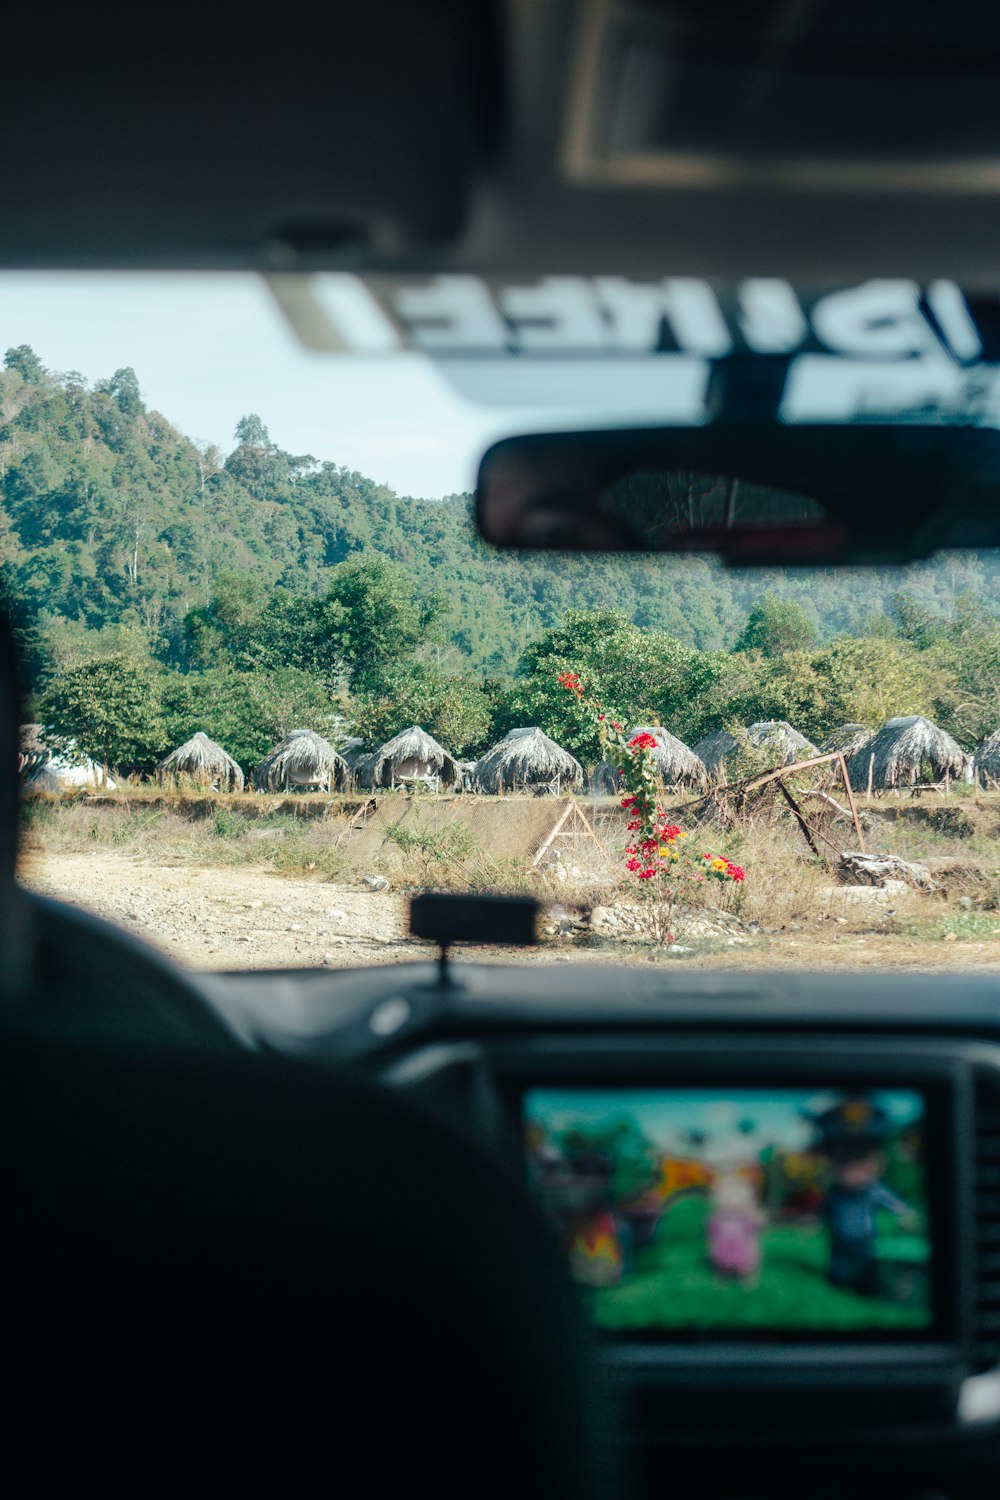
(690, 1210)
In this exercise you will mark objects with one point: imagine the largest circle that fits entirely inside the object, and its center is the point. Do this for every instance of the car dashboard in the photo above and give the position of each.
(908, 1409)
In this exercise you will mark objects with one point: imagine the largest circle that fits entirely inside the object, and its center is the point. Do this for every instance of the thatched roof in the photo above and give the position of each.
(676, 765)
(713, 750)
(411, 755)
(527, 759)
(604, 779)
(201, 759)
(775, 735)
(848, 739)
(778, 734)
(986, 765)
(31, 749)
(302, 759)
(908, 751)
(353, 750)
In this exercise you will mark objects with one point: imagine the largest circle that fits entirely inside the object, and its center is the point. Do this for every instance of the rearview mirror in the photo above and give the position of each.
(761, 495)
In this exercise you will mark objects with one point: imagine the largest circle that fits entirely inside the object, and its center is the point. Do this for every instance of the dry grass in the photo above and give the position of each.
(485, 845)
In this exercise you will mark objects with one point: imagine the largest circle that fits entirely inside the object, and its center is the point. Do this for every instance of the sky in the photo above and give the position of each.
(208, 349)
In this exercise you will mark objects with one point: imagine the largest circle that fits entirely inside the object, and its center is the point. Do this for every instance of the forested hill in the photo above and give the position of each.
(109, 516)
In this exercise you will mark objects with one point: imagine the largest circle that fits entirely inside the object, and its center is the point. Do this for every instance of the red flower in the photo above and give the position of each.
(646, 874)
(642, 742)
(571, 682)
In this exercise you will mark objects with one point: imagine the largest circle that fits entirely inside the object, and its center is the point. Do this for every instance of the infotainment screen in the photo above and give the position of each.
(739, 1211)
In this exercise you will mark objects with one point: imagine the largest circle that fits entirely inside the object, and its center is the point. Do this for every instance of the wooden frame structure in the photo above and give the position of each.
(809, 833)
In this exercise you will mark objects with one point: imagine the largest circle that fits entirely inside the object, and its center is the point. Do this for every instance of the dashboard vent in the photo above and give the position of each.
(986, 1184)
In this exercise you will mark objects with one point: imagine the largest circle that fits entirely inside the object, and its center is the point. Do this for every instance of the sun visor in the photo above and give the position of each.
(662, 351)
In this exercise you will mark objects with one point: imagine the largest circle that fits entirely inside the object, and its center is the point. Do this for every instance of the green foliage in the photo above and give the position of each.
(110, 709)
(271, 590)
(228, 825)
(22, 622)
(867, 681)
(251, 433)
(436, 852)
(123, 388)
(247, 712)
(965, 647)
(453, 708)
(777, 625)
(356, 631)
(369, 618)
(958, 926)
(26, 363)
(109, 516)
(637, 675)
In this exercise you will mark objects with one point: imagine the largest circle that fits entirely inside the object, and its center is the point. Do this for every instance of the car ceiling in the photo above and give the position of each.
(816, 139)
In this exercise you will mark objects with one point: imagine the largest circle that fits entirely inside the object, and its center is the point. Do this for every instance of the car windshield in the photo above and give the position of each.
(277, 684)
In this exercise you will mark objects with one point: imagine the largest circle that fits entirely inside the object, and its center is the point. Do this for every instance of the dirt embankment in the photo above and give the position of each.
(246, 918)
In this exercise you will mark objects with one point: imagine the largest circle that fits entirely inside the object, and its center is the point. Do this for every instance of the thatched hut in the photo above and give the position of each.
(412, 755)
(353, 750)
(32, 750)
(908, 752)
(201, 760)
(68, 773)
(526, 760)
(675, 764)
(848, 739)
(783, 744)
(43, 769)
(986, 763)
(715, 749)
(304, 761)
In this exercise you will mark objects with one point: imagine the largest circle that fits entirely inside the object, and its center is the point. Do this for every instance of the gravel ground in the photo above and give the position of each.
(244, 918)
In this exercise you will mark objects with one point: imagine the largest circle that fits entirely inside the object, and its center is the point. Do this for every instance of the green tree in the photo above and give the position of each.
(123, 388)
(965, 646)
(637, 675)
(247, 712)
(868, 680)
(370, 619)
(25, 361)
(22, 622)
(251, 432)
(110, 709)
(776, 625)
(454, 709)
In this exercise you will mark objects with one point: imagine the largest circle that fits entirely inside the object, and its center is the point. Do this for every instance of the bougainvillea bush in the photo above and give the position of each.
(667, 864)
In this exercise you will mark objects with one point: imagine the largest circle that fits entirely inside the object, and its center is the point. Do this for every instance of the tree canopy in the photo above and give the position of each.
(305, 589)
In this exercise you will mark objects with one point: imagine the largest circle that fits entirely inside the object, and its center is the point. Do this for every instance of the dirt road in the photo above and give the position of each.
(245, 918)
